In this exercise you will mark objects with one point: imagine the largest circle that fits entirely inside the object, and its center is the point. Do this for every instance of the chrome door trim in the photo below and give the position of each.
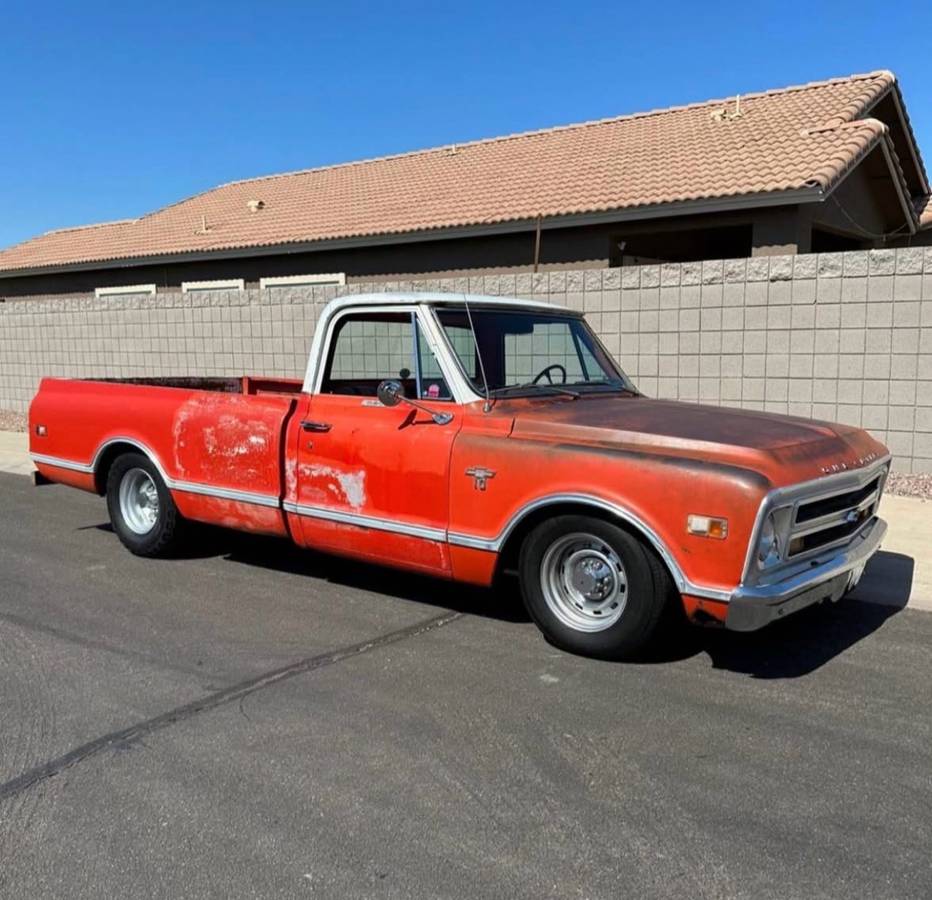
(207, 490)
(377, 523)
(461, 539)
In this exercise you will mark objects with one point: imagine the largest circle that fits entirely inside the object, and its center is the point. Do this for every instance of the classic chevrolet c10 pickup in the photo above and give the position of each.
(466, 436)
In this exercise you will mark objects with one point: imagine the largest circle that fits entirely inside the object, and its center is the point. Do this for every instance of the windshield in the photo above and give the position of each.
(530, 351)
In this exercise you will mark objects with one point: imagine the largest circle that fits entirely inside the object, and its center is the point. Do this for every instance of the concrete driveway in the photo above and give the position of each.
(252, 721)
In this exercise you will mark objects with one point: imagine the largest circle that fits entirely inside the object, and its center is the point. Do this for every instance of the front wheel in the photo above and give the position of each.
(142, 511)
(592, 587)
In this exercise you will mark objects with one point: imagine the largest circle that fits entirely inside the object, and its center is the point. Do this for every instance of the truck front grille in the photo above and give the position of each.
(832, 518)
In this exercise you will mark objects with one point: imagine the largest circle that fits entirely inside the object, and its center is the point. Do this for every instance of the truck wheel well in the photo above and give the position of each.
(106, 461)
(508, 556)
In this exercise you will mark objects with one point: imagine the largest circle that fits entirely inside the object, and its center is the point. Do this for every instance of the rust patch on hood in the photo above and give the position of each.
(781, 449)
(673, 423)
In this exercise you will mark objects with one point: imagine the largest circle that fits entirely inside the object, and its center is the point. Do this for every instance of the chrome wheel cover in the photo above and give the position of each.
(139, 501)
(584, 582)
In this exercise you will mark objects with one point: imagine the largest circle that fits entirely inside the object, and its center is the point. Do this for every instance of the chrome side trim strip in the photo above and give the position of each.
(60, 463)
(173, 484)
(133, 443)
(495, 544)
(190, 487)
(473, 542)
(194, 487)
(375, 522)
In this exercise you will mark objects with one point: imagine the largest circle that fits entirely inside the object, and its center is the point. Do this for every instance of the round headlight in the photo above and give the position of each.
(768, 545)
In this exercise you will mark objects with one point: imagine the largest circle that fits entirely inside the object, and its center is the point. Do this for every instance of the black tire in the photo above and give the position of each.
(165, 532)
(639, 606)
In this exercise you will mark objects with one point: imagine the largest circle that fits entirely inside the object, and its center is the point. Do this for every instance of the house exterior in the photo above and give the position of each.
(822, 167)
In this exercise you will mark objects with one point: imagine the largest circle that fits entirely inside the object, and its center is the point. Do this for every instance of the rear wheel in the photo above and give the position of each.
(592, 587)
(142, 511)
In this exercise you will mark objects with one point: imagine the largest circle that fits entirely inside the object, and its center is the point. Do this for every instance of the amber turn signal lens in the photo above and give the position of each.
(707, 526)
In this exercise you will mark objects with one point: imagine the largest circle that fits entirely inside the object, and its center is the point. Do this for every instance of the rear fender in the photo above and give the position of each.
(110, 450)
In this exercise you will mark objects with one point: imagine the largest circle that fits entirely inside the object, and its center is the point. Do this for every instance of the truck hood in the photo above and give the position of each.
(784, 449)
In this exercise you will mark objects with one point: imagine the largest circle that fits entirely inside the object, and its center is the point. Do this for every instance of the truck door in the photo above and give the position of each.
(373, 481)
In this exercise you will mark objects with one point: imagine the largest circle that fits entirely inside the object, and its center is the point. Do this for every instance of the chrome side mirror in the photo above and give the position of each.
(391, 393)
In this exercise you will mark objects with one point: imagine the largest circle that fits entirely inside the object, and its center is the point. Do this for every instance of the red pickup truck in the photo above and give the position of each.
(463, 436)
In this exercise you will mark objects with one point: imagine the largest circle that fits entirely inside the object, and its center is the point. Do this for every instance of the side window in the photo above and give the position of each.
(368, 348)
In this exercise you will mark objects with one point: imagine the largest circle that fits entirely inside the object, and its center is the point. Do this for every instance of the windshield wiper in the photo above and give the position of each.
(530, 386)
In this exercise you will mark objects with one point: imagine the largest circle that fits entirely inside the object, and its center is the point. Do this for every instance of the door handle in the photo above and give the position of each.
(315, 426)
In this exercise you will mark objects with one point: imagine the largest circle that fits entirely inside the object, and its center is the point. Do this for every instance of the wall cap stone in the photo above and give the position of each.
(713, 271)
(882, 262)
(909, 260)
(781, 268)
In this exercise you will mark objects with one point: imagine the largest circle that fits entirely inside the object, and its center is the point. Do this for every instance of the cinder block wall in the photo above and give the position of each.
(841, 336)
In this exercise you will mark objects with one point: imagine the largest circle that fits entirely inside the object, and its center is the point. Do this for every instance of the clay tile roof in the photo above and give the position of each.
(798, 138)
(924, 212)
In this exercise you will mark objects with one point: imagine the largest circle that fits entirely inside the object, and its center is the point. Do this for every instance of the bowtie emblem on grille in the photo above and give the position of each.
(480, 476)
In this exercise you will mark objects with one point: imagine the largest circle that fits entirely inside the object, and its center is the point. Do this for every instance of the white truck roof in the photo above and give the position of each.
(440, 298)
(460, 386)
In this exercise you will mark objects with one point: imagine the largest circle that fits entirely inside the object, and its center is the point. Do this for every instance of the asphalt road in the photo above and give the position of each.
(253, 721)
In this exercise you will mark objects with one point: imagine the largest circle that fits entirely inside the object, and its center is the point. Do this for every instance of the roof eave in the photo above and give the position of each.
(899, 184)
(894, 91)
(808, 194)
(885, 142)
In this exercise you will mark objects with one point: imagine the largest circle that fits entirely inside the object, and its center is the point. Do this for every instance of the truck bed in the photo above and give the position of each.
(245, 384)
(219, 442)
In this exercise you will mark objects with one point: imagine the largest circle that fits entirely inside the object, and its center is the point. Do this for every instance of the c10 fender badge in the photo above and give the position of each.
(480, 476)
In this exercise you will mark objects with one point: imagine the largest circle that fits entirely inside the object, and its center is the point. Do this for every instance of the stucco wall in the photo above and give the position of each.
(845, 337)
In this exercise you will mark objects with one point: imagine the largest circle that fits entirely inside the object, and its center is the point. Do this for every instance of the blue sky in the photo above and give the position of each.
(110, 110)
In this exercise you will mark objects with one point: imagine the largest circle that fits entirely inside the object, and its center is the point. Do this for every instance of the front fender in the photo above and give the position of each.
(652, 494)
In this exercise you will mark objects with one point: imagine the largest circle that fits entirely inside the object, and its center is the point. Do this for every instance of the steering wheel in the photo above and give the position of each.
(546, 371)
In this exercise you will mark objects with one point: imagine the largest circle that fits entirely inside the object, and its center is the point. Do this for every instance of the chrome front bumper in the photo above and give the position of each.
(826, 577)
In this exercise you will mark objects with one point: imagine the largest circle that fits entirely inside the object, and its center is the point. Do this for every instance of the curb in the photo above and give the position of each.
(14, 453)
